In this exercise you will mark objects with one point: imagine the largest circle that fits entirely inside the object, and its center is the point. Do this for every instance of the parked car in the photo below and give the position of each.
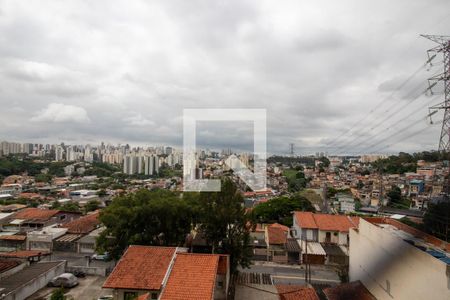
(104, 256)
(66, 280)
(79, 274)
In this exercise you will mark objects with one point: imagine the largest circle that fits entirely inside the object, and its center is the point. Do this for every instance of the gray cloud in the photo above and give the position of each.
(124, 72)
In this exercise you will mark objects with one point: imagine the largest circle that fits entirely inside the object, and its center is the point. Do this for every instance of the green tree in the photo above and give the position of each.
(325, 161)
(437, 220)
(92, 205)
(395, 194)
(58, 294)
(280, 209)
(70, 206)
(43, 178)
(224, 223)
(157, 217)
(102, 193)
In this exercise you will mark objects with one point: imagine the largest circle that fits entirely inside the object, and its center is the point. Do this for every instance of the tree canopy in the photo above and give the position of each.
(280, 209)
(225, 224)
(157, 217)
(165, 218)
(437, 220)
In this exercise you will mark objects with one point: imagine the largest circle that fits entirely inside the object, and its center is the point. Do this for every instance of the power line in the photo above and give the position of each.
(417, 110)
(373, 126)
(407, 137)
(379, 104)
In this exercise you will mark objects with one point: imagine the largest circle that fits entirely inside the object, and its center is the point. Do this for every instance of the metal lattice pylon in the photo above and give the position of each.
(444, 48)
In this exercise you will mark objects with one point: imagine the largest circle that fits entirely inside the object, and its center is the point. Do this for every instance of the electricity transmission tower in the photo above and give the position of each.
(291, 149)
(444, 141)
(444, 48)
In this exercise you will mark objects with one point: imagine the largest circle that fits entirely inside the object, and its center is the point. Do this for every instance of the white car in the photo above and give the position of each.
(66, 280)
(103, 257)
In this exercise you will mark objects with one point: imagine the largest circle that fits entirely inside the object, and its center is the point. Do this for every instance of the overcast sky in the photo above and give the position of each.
(123, 71)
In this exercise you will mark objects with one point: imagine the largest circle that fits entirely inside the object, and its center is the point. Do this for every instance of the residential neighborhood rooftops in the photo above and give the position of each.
(294, 292)
(24, 253)
(192, 277)
(327, 222)
(84, 224)
(348, 291)
(35, 214)
(141, 267)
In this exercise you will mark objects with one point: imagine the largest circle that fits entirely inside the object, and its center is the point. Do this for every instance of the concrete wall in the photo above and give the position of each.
(220, 292)
(97, 271)
(36, 284)
(393, 269)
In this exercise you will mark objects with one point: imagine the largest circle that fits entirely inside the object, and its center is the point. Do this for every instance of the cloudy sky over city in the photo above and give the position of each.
(123, 71)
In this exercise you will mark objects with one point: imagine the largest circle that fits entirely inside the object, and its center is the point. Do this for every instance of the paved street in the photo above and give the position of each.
(285, 274)
(89, 287)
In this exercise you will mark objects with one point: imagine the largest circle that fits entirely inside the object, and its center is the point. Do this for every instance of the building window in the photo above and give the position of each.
(220, 284)
(154, 295)
(130, 295)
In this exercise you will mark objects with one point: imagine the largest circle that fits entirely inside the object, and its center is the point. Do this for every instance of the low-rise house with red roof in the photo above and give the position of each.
(348, 291)
(258, 242)
(29, 219)
(76, 229)
(169, 273)
(296, 292)
(276, 239)
(323, 228)
(323, 238)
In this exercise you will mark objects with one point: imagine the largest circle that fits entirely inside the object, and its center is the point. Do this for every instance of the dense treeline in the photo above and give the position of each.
(166, 218)
(288, 160)
(405, 162)
(14, 164)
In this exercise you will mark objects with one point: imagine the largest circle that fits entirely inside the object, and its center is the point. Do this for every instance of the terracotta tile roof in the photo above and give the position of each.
(35, 214)
(334, 222)
(327, 222)
(296, 292)
(141, 267)
(348, 291)
(193, 276)
(84, 224)
(305, 219)
(277, 233)
(24, 253)
(7, 264)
